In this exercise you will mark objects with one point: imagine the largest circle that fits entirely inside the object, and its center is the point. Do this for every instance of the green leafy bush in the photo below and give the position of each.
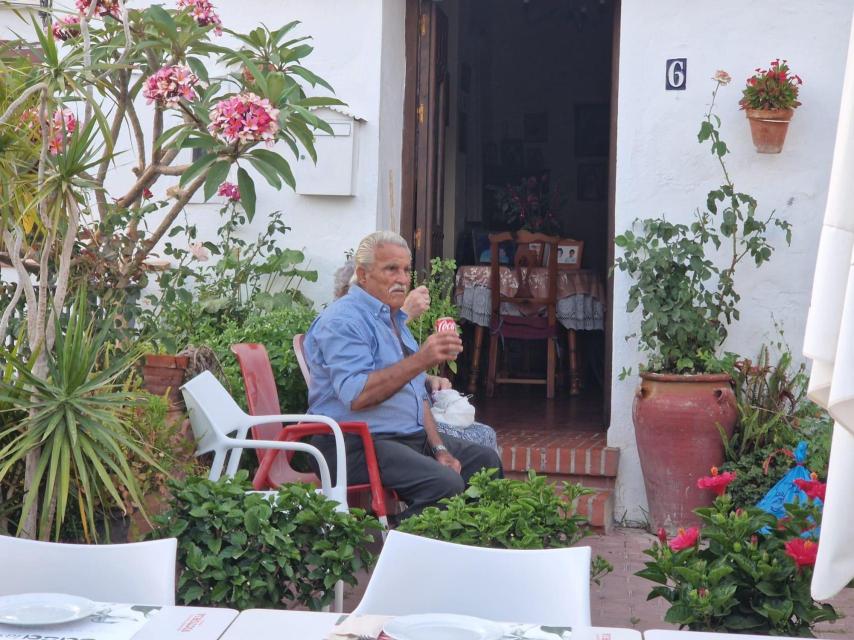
(275, 330)
(241, 550)
(742, 572)
(440, 285)
(508, 514)
(684, 274)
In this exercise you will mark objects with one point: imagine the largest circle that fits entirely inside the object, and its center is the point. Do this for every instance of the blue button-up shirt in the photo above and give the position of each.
(350, 340)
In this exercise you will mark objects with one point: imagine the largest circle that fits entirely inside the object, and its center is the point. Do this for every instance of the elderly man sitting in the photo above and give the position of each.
(366, 365)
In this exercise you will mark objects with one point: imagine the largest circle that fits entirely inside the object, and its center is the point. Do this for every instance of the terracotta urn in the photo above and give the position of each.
(768, 128)
(678, 421)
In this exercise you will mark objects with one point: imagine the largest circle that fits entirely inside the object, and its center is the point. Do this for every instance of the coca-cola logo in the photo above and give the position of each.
(446, 324)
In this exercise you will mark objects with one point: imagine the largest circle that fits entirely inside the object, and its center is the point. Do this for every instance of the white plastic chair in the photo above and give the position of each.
(136, 573)
(421, 575)
(215, 416)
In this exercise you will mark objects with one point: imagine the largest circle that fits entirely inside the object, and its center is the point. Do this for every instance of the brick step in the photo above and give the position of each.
(582, 458)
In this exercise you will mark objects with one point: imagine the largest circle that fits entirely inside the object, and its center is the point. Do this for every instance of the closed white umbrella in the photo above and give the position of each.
(829, 342)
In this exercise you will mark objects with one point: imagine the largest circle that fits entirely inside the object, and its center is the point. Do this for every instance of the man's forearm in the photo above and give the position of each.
(383, 384)
(433, 437)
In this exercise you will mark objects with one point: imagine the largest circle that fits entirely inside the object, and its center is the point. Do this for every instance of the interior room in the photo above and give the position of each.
(528, 120)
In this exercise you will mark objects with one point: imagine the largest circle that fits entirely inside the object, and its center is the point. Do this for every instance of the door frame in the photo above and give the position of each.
(408, 223)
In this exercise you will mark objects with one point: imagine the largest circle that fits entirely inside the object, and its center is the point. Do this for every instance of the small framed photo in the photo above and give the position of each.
(569, 253)
(536, 248)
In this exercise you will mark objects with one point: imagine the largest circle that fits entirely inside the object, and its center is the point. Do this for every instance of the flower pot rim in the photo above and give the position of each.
(165, 360)
(769, 114)
(685, 377)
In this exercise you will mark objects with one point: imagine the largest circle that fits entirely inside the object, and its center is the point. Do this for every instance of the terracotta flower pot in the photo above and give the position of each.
(162, 373)
(768, 128)
(676, 421)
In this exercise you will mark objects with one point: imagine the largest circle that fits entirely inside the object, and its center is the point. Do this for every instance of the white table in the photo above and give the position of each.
(259, 624)
(170, 623)
(673, 634)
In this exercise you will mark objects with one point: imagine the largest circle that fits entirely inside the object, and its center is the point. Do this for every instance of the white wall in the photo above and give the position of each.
(662, 169)
(349, 37)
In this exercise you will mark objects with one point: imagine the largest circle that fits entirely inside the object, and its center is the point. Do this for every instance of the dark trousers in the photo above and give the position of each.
(407, 465)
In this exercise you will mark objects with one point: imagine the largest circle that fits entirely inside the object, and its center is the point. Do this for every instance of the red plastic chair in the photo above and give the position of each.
(274, 470)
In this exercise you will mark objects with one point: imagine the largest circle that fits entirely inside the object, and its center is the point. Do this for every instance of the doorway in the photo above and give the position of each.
(502, 94)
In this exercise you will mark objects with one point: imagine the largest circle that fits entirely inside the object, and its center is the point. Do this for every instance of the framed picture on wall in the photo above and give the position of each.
(592, 130)
(535, 126)
(592, 181)
(569, 253)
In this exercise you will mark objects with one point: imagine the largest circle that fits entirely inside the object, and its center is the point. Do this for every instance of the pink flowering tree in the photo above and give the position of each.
(71, 113)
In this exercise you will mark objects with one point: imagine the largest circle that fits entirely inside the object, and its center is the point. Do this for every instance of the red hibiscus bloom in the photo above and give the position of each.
(802, 551)
(717, 482)
(813, 488)
(685, 538)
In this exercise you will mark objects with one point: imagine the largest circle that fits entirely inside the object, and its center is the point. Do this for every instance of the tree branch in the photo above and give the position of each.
(164, 226)
(21, 100)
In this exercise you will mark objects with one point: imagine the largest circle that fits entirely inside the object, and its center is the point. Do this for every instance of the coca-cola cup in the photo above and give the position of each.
(445, 324)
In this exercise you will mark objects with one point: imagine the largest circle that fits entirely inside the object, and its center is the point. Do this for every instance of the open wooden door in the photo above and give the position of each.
(425, 120)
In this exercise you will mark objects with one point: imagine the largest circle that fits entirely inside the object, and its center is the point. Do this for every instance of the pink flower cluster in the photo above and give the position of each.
(229, 190)
(62, 126)
(169, 85)
(104, 8)
(66, 28)
(245, 117)
(199, 251)
(203, 13)
(63, 121)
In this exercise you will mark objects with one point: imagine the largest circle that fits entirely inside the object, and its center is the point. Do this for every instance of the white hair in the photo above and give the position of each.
(367, 250)
(341, 281)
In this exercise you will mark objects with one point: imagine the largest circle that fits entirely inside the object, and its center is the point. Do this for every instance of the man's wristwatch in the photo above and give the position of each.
(438, 448)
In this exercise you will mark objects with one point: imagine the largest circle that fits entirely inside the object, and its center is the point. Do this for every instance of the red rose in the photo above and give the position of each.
(802, 551)
(685, 538)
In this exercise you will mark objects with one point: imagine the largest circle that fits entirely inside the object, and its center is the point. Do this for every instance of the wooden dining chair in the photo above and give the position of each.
(531, 251)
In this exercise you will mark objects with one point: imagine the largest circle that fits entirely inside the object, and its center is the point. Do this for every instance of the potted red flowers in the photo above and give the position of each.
(742, 570)
(769, 101)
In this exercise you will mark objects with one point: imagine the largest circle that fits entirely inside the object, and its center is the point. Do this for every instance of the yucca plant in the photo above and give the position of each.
(78, 417)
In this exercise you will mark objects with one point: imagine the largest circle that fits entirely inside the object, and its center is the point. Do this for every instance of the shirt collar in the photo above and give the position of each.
(376, 306)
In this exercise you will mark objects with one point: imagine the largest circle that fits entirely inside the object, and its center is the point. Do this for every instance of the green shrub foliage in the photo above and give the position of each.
(508, 514)
(243, 550)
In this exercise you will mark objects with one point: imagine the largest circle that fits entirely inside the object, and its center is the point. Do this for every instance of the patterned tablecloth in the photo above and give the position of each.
(581, 295)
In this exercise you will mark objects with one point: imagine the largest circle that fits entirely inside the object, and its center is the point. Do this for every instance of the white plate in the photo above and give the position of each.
(447, 626)
(44, 608)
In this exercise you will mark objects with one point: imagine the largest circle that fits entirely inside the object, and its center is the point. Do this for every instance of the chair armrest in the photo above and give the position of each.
(299, 431)
(339, 491)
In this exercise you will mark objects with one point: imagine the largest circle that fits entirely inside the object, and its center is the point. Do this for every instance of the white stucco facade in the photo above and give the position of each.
(660, 167)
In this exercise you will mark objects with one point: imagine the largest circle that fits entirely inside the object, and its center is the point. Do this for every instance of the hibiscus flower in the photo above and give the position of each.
(717, 482)
(685, 538)
(802, 551)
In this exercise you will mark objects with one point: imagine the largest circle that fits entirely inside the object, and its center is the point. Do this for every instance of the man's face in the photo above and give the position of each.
(388, 278)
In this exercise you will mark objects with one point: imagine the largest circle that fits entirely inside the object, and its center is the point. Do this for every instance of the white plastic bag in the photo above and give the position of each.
(453, 408)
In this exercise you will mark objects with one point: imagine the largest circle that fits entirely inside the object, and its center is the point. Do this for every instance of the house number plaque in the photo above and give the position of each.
(676, 74)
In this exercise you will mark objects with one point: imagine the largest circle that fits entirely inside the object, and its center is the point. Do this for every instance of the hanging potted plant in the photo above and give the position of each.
(687, 301)
(769, 100)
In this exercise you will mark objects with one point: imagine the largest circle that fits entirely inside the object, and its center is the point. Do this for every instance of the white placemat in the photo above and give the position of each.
(109, 622)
